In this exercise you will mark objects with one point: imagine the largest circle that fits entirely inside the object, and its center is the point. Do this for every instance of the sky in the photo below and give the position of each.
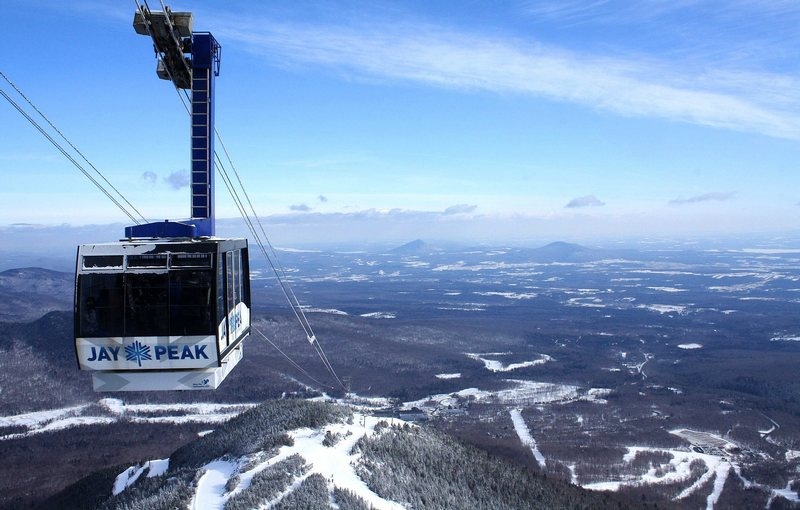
(473, 121)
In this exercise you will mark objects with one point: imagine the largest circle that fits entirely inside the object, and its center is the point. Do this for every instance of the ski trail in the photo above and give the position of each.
(525, 435)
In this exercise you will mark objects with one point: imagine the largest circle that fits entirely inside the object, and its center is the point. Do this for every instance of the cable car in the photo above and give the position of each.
(161, 314)
(167, 308)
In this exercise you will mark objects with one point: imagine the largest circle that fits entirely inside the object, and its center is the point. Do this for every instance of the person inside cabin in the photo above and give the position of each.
(90, 325)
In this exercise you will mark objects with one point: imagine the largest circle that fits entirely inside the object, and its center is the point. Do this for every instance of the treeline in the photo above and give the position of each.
(425, 469)
(261, 428)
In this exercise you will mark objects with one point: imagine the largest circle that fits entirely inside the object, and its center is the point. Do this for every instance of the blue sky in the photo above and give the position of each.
(463, 120)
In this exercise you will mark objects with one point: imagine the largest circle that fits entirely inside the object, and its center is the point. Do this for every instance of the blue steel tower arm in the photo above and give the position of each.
(205, 67)
(168, 31)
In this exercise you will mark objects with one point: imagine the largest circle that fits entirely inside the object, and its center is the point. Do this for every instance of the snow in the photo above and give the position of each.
(508, 295)
(603, 486)
(525, 436)
(680, 462)
(336, 463)
(662, 309)
(332, 311)
(690, 346)
(449, 376)
(787, 493)
(158, 467)
(59, 419)
(497, 366)
(769, 251)
(587, 302)
(114, 405)
(667, 289)
(128, 477)
(379, 315)
(472, 307)
(36, 419)
(522, 392)
(722, 471)
(210, 493)
(718, 468)
(785, 338)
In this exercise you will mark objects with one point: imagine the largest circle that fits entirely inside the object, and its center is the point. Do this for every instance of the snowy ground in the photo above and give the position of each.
(525, 436)
(718, 467)
(521, 392)
(110, 410)
(495, 365)
(335, 463)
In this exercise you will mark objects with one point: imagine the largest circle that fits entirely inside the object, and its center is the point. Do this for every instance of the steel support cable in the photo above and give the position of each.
(66, 154)
(297, 366)
(307, 325)
(237, 201)
(296, 306)
(63, 137)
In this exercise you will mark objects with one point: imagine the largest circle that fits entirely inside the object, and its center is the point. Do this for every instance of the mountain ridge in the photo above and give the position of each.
(294, 454)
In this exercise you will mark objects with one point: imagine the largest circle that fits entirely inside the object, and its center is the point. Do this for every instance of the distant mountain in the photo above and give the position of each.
(561, 251)
(415, 247)
(28, 293)
(39, 367)
(296, 454)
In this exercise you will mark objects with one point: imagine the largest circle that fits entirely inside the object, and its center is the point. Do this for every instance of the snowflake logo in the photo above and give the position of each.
(137, 352)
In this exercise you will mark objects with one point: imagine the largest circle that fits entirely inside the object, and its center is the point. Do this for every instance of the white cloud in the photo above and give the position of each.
(714, 196)
(587, 201)
(149, 178)
(460, 209)
(742, 100)
(178, 179)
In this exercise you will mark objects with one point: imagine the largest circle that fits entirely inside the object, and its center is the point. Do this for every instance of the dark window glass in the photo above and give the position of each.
(97, 261)
(231, 271)
(239, 288)
(147, 260)
(146, 304)
(191, 260)
(100, 305)
(191, 302)
(221, 314)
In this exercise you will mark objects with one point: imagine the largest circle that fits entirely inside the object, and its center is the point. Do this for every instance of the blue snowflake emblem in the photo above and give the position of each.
(137, 352)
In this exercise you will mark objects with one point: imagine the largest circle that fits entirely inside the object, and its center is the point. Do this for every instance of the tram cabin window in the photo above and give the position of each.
(142, 302)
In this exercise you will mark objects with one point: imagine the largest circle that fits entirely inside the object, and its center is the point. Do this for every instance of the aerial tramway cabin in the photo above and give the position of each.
(168, 306)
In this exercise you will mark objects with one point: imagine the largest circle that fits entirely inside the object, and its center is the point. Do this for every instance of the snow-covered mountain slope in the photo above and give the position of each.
(293, 454)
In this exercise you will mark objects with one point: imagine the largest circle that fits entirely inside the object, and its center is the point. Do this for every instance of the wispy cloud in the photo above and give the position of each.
(322, 198)
(300, 208)
(460, 209)
(742, 100)
(149, 178)
(178, 179)
(587, 201)
(715, 196)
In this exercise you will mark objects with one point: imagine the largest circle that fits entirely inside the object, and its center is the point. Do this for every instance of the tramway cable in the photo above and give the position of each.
(273, 261)
(66, 154)
(190, 252)
(295, 364)
(63, 136)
